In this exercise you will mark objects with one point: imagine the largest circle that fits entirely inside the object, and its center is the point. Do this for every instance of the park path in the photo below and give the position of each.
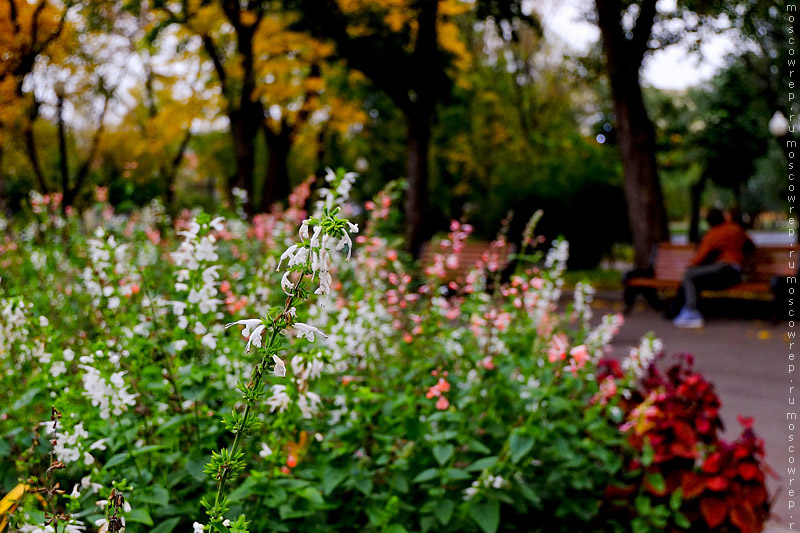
(746, 360)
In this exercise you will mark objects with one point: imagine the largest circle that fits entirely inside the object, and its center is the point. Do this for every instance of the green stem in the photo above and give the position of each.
(256, 375)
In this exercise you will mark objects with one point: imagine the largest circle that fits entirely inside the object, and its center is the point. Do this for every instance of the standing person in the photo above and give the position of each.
(716, 265)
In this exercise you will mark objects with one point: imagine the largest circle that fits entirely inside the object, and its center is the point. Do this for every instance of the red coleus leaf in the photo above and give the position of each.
(756, 495)
(714, 511)
(693, 485)
(748, 471)
(743, 517)
(717, 483)
(712, 463)
(684, 433)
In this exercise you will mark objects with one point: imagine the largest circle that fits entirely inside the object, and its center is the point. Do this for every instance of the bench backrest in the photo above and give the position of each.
(470, 254)
(671, 261)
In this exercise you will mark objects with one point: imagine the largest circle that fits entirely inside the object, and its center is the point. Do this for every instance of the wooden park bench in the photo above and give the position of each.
(670, 261)
(468, 257)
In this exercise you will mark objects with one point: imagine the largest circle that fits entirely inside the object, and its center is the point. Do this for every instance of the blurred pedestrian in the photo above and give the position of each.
(716, 265)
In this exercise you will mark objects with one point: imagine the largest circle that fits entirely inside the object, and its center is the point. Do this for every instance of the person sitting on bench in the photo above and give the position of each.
(716, 265)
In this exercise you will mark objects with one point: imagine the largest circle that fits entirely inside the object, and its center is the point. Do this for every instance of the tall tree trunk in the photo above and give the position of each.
(417, 169)
(646, 211)
(244, 129)
(276, 184)
(636, 135)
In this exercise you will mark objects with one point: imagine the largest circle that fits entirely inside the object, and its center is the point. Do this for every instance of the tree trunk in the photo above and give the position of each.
(276, 184)
(636, 135)
(244, 130)
(416, 200)
(646, 212)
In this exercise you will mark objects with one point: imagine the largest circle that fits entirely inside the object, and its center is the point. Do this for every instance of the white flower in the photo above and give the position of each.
(288, 254)
(248, 323)
(286, 283)
(69, 355)
(280, 367)
(279, 400)
(58, 368)
(178, 308)
(198, 527)
(179, 345)
(266, 451)
(255, 337)
(307, 331)
(216, 224)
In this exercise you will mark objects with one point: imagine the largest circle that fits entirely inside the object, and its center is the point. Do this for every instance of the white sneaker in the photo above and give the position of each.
(688, 319)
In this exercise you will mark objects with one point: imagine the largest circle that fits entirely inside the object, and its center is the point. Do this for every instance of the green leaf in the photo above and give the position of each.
(116, 460)
(331, 477)
(25, 399)
(458, 474)
(442, 453)
(483, 463)
(425, 475)
(656, 480)
(682, 521)
(477, 447)
(395, 528)
(166, 526)
(519, 446)
(486, 515)
(5, 448)
(311, 494)
(156, 494)
(647, 454)
(139, 515)
(675, 499)
(444, 511)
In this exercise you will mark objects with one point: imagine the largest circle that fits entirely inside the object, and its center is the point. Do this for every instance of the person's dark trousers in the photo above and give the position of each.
(713, 277)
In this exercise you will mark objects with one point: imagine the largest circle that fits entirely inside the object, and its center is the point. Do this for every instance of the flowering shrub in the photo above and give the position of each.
(364, 395)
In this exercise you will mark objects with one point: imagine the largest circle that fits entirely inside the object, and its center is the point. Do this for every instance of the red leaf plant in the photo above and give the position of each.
(673, 426)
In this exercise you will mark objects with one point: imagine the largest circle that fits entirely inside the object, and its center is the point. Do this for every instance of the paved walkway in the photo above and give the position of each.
(747, 362)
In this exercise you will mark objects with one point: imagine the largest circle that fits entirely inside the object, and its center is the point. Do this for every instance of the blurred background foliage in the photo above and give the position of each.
(185, 100)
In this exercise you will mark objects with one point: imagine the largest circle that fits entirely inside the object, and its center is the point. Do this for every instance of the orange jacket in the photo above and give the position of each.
(727, 239)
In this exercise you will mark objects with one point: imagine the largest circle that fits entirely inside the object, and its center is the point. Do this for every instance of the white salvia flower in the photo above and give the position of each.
(248, 323)
(307, 331)
(69, 355)
(265, 452)
(353, 227)
(255, 337)
(279, 400)
(345, 241)
(280, 366)
(288, 254)
(286, 283)
(58, 368)
(179, 345)
(197, 527)
(226, 523)
(304, 230)
(209, 341)
(216, 224)
(75, 492)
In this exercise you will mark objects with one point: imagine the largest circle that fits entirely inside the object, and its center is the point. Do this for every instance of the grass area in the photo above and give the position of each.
(600, 279)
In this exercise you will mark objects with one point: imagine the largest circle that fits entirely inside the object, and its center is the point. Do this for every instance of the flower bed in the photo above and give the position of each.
(345, 395)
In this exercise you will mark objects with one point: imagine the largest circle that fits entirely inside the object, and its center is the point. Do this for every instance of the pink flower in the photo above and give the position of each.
(442, 403)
